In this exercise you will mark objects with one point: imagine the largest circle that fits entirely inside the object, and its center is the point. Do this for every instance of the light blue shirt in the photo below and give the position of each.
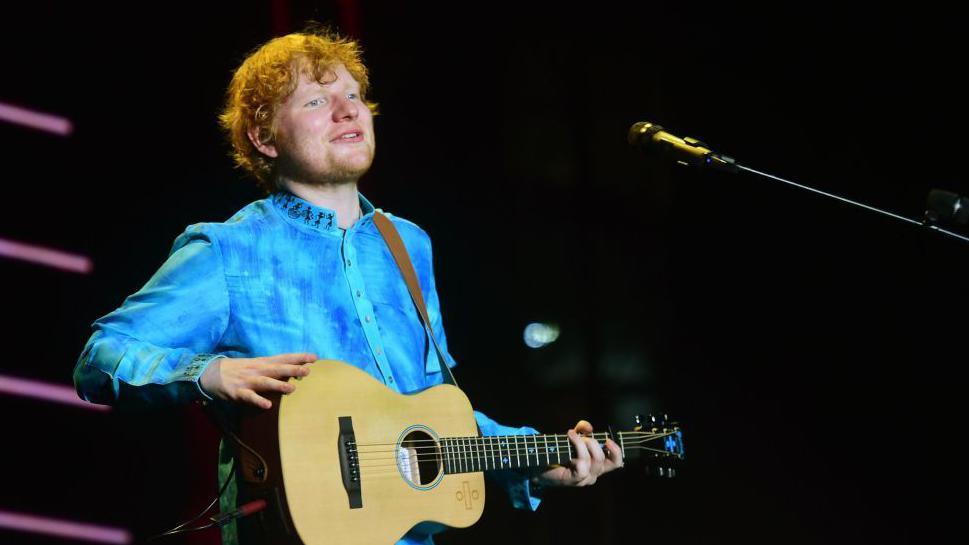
(279, 276)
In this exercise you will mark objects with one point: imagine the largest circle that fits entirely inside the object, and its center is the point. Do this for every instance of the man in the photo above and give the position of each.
(240, 307)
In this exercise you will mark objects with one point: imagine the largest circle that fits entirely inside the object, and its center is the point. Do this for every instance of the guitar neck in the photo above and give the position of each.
(472, 454)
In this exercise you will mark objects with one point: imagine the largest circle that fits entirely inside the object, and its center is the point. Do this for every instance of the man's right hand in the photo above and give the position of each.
(242, 379)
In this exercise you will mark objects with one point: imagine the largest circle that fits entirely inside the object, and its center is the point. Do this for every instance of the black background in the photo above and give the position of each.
(811, 350)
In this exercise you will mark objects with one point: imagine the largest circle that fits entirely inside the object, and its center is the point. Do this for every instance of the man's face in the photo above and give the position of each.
(324, 132)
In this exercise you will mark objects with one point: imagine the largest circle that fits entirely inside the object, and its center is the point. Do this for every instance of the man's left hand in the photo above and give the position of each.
(589, 460)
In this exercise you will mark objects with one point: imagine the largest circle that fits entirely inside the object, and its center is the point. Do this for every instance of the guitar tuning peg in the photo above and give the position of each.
(638, 419)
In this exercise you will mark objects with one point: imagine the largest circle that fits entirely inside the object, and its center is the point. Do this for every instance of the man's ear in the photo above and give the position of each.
(254, 133)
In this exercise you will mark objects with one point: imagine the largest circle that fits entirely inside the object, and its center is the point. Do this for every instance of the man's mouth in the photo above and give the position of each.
(354, 136)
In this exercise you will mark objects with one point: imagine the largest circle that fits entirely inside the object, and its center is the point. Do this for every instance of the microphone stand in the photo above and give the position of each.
(926, 223)
(692, 152)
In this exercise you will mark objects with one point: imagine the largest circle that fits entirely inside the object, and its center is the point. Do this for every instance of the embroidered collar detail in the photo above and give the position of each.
(303, 212)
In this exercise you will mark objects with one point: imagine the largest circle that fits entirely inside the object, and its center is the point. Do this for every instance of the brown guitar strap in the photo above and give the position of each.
(399, 251)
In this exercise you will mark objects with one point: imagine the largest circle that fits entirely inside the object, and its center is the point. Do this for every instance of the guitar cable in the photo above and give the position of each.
(220, 519)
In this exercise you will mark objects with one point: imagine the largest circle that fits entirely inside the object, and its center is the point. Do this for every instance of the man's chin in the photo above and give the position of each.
(346, 174)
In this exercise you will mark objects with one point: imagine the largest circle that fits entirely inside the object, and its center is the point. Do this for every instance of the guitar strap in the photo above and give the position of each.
(399, 251)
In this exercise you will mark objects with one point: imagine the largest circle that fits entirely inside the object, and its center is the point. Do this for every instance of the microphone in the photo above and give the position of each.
(947, 208)
(686, 151)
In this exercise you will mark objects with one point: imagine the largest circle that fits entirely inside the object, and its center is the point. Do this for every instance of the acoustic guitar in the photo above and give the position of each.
(343, 459)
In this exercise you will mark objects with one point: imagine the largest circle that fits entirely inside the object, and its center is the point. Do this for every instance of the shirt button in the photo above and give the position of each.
(348, 263)
(358, 293)
(379, 351)
(390, 380)
(366, 318)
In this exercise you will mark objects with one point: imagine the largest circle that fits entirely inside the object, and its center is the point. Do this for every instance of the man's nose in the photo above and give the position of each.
(345, 109)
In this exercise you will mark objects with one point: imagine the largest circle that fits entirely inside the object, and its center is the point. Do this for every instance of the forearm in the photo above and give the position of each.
(117, 369)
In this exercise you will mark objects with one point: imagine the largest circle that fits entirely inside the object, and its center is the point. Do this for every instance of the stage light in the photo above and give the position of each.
(63, 528)
(538, 335)
(36, 120)
(45, 256)
(54, 393)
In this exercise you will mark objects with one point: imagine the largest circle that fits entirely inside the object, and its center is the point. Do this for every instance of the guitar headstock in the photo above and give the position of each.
(655, 440)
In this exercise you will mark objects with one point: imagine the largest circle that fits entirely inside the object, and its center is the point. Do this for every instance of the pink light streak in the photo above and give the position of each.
(63, 528)
(55, 393)
(45, 256)
(54, 124)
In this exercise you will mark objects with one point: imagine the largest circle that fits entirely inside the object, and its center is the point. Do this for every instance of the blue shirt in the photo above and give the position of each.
(279, 276)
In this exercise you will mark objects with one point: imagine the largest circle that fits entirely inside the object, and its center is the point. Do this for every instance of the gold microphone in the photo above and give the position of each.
(686, 151)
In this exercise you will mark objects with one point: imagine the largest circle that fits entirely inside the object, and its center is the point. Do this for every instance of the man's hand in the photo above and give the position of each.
(589, 461)
(242, 379)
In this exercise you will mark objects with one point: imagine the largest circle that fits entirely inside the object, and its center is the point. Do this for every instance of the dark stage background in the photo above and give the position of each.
(810, 350)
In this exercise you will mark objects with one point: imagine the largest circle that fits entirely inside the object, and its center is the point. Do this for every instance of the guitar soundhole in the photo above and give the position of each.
(419, 458)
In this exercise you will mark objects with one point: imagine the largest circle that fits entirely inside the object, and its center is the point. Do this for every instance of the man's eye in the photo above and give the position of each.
(315, 102)
(352, 96)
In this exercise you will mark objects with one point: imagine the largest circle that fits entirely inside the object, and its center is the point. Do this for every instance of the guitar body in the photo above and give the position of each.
(306, 471)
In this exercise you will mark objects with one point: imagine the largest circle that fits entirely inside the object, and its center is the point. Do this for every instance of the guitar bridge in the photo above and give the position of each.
(349, 462)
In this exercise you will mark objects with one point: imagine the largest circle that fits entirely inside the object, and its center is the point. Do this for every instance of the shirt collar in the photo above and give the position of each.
(302, 212)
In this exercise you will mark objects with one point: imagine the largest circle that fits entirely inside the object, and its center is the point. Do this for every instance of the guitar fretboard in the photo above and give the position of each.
(471, 454)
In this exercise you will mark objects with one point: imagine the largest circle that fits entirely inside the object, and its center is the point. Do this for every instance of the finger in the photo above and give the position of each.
(252, 398)
(614, 453)
(582, 460)
(595, 450)
(268, 384)
(284, 370)
(581, 450)
(583, 427)
(294, 358)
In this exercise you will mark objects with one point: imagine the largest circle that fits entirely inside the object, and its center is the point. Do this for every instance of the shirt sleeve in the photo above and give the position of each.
(153, 349)
(522, 493)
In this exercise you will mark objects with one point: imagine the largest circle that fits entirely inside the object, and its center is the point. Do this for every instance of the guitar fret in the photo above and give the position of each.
(476, 456)
(460, 453)
(548, 461)
(484, 451)
(494, 443)
(497, 440)
(454, 455)
(518, 456)
(455, 468)
(455, 460)
(491, 451)
(476, 447)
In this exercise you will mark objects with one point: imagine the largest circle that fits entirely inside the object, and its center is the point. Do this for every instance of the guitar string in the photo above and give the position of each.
(477, 438)
(457, 444)
(532, 439)
(456, 458)
(465, 454)
(635, 436)
(470, 467)
(480, 459)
